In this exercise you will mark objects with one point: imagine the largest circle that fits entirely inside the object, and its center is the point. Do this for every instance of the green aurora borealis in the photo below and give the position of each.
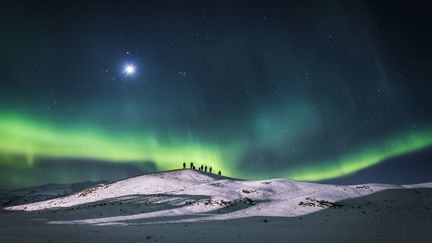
(32, 139)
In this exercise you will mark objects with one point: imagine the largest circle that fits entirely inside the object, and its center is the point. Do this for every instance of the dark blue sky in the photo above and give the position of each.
(304, 90)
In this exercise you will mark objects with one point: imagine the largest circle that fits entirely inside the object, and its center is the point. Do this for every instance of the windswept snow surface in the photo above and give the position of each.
(183, 197)
(190, 192)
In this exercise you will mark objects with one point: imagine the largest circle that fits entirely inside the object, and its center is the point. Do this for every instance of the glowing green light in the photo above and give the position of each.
(21, 136)
(364, 157)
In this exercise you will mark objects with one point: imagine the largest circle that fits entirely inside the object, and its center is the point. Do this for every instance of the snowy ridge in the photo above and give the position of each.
(174, 194)
(195, 206)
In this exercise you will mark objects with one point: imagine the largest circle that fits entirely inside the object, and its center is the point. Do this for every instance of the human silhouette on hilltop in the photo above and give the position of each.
(201, 168)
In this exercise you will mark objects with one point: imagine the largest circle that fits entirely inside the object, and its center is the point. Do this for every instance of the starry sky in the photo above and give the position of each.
(334, 91)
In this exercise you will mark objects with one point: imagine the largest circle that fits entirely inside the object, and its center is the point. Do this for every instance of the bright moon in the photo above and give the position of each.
(129, 69)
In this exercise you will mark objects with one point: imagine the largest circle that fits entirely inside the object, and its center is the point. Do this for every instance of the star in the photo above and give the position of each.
(129, 69)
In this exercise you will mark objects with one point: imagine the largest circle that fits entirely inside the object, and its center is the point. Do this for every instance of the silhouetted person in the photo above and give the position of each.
(184, 165)
(202, 167)
(191, 165)
(210, 169)
(219, 173)
(205, 168)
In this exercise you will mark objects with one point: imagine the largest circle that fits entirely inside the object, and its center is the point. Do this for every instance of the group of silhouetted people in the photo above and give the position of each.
(201, 168)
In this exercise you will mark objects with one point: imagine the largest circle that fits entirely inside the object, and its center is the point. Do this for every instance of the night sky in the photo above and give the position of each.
(304, 90)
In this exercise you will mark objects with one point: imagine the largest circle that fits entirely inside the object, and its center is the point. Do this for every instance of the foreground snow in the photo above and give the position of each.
(186, 197)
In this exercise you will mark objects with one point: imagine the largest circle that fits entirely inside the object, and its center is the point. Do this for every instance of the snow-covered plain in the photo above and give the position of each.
(194, 206)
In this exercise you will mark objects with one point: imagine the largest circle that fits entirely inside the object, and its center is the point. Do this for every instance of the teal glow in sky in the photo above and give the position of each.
(33, 140)
(308, 91)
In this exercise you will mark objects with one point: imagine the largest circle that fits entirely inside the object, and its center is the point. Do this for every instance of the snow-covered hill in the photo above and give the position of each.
(194, 192)
(183, 197)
